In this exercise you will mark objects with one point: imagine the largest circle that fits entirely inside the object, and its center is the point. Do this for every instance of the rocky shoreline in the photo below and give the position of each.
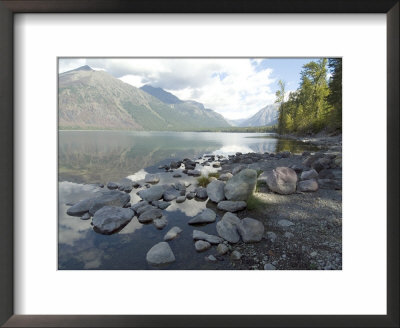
(271, 211)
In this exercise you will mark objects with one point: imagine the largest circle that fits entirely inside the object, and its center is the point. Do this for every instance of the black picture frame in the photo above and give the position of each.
(7, 199)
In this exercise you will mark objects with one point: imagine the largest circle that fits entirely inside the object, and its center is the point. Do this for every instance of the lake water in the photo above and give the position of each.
(90, 157)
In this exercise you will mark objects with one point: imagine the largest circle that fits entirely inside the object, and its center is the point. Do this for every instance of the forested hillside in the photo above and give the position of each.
(317, 104)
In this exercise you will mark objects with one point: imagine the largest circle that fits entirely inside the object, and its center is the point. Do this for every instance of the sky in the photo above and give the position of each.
(234, 87)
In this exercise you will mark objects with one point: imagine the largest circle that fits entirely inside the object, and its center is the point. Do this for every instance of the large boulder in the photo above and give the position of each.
(241, 185)
(153, 193)
(160, 253)
(282, 180)
(231, 206)
(227, 227)
(111, 218)
(215, 191)
(207, 216)
(250, 230)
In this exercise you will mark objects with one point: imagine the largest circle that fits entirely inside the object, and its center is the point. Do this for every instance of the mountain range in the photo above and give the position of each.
(266, 116)
(90, 99)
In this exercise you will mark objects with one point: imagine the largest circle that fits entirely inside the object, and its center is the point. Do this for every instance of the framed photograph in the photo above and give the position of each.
(213, 164)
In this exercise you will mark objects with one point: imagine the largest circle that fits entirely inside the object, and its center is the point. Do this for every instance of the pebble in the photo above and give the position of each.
(269, 266)
(236, 255)
(201, 245)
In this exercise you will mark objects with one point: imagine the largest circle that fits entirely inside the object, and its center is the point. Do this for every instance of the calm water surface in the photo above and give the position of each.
(89, 157)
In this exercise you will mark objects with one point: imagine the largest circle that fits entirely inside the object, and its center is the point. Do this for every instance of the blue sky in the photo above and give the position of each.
(234, 87)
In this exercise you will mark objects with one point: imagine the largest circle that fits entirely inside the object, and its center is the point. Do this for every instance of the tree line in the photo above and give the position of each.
(317, 104)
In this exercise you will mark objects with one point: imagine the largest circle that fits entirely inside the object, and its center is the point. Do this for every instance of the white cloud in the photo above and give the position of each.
(231, 87)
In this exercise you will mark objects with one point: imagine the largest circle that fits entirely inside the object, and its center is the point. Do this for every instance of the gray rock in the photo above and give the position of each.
(282, 180)
(85, 216)
(215, 191)
(161, 204)
(216, 164)
(201, 193)
(232, 218)
(321, 163)
(231, 206)
(180, 199)
(160, 223)
(171, 193)
(241, 185)
(285, 223)
(227, 228)
(235, 255)
(111, 218)
(211, 258)
(288, 235)
(91, 205)
(262, 179)
(195, 173)
(177, 175)
(225, 176)
(269, 235)
(136, 206)
(160, 253)
(112, 185)
(175, 165)
(206, 216)
(201, 245)
(191, 195)
(308, 185)
(222, 249)
(310, 174)
(152, 193)
(110, 198)
(329, 184)
(212, 239)
(152, 178)
(250, 230)
(150, 215)
(237, 169)
(172, 233)
(144, 208)
(269, 266)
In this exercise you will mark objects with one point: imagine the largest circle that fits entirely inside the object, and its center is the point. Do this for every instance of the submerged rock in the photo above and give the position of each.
(282, 180)
(202, 245)
(111, 218)
(250, 230)
(160, 253)
(215, 191)
(152, 178)
(241, 185)
(231, 206)
(212, 239)
(160, 223)
(207, 216)
(172, 233)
